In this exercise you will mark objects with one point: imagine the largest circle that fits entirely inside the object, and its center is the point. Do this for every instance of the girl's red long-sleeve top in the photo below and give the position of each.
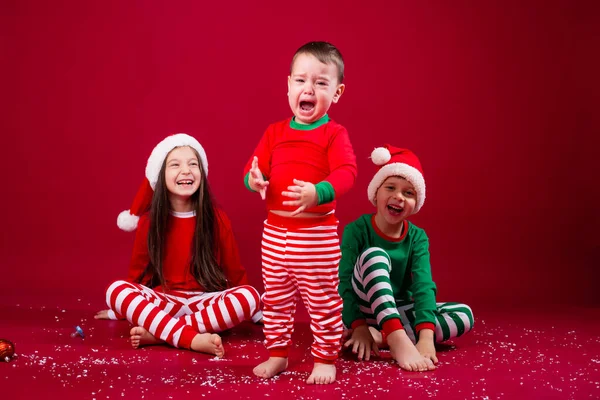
(177, 253)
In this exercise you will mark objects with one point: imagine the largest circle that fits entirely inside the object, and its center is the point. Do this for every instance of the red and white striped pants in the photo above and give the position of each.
(301, 261)
(177, 317)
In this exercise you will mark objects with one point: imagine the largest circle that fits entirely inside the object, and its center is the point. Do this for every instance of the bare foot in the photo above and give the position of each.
(141, 337)
(406, 354)
(271, 367)
(210, 343)
(322, 374)
(101, 315)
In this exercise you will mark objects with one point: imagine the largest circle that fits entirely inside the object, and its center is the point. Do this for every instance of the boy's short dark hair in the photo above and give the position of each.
(324, 52)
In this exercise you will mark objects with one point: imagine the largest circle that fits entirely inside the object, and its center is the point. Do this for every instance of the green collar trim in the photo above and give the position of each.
(301, 127)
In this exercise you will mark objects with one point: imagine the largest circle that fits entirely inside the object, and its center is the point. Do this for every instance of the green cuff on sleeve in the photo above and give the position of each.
(325, 192)
(247, 181)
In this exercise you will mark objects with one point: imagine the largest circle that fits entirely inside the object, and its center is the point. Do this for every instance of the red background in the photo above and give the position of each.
(499, 99)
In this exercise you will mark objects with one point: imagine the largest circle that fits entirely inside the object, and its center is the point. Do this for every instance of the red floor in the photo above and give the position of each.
(544, 354)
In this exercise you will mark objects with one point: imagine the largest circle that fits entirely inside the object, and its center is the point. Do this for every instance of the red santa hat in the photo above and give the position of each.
(394, 161)
(128, 219)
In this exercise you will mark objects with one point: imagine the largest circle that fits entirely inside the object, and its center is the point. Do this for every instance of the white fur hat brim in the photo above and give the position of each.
(409, 173)
(157, 158)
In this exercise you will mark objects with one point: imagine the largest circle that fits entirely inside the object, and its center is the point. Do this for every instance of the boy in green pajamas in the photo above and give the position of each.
(385, 274)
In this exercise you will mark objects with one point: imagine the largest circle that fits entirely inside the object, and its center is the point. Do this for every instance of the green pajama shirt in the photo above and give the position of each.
(382, 278)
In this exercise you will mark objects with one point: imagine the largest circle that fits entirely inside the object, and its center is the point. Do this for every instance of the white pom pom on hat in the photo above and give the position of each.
(128, 219)
(380, 155)
(394, 161)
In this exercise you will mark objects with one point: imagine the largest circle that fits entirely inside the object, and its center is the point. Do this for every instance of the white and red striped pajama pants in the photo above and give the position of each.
(301, 261)
(178, 316)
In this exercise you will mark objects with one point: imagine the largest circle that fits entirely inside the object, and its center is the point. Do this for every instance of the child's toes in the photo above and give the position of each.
(430, 364)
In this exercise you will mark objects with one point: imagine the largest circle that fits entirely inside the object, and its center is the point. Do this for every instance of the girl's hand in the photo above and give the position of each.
(426, 346)
(305, 195)
(362, 343)
(101, 315)
(256, 181)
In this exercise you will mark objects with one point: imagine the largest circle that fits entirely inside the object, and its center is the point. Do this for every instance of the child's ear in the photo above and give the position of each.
(289, 83)
(338, 92)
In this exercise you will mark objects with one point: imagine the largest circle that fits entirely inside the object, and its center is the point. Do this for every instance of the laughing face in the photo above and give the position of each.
(182, 173)
(312, 87)
(395, 200)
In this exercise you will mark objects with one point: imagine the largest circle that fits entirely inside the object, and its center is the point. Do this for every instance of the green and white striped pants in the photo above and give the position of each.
(371, 283)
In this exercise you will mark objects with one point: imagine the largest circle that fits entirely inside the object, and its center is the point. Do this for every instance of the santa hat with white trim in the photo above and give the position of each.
(394, 161)
(128, 219)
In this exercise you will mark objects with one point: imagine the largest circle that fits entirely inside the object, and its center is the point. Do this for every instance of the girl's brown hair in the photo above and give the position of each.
(204, 266)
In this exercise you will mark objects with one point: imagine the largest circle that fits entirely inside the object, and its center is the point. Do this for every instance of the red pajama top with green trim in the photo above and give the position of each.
(177, 254)
(411, 270)
(320, 153)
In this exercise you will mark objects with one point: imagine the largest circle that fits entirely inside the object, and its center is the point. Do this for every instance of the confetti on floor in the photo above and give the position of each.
(550, 355)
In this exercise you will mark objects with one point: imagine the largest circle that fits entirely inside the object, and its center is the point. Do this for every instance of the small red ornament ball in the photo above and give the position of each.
(7, 350)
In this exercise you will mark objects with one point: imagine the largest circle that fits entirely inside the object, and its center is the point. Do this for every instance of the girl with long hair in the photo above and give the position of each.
(185, 281)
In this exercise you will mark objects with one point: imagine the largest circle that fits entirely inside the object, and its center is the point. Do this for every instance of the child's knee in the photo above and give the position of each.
(116, 286)
(278, 300)
(373, 256)
(252, 297)
(113, 285)
(470, 318)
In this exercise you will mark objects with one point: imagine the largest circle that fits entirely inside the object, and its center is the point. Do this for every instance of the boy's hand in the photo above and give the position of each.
(256, 181)
(101, 315)
(305, 195)
(426, 346)
(362, 343)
